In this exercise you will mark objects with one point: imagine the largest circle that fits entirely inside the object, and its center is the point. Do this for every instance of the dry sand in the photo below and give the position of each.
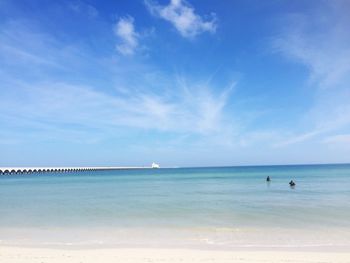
(44, 255)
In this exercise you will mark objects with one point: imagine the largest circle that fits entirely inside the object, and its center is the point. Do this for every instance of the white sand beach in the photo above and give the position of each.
(45, 255)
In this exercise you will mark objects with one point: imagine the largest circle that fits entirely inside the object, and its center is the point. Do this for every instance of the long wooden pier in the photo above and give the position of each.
(29, 170)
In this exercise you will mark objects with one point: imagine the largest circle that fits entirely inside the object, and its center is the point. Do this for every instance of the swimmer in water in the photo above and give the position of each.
(291, 183)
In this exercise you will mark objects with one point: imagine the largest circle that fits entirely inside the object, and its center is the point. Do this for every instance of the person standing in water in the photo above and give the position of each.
(268, 179)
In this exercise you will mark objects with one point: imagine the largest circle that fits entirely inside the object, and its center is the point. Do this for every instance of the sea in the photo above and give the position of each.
(211, 208)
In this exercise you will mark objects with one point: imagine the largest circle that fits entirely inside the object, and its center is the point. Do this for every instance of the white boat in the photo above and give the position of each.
(154, 165)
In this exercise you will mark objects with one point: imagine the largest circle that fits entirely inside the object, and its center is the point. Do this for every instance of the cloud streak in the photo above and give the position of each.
(61, 105)
(83, 8)
(322, 45)
(342, 139)
(135, 96)
(183, 17)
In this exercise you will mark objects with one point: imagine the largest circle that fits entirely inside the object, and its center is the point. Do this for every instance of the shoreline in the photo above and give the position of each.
(257, 249)
(136, 255)
(226, 239)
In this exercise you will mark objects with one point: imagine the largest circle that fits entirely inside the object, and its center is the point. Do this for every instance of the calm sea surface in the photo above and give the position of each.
(219, 207)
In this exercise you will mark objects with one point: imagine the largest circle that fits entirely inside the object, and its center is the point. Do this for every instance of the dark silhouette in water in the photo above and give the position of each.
(268, 179)
(291, 183)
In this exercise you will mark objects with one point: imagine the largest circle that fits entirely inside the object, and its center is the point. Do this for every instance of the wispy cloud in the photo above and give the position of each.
(298, 138)
(83, 8)
(322, 45)
(127, 35)
(38, 48)
(147, 101)
(183, 17)
(329, 114)
(60, 104)
(38, 53)
(343, 139)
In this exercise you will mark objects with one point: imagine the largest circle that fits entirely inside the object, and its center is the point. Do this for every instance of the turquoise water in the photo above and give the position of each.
(212, 204)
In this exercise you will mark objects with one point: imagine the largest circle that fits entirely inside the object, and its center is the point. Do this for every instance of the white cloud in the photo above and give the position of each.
(323, 46)
(320, 44)
(128, 37)
(329, 114)
(343, 139)
(25, 49)
(18, 45)
(83, 8)
(131, 95)
(58, 106)
(183, 17)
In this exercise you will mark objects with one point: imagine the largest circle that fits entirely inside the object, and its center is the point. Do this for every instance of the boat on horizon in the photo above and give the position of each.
(155, 166)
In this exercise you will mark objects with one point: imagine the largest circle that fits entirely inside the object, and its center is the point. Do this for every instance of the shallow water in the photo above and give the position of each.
(225, 206)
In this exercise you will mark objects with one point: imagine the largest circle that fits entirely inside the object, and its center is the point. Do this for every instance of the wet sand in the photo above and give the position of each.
(45, 255)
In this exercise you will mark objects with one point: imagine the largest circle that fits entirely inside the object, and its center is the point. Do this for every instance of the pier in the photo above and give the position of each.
(30, 170)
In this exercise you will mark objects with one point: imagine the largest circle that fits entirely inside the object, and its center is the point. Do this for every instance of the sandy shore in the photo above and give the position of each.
(44, 255)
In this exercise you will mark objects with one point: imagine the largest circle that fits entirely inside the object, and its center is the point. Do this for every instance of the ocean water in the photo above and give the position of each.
(222, 207)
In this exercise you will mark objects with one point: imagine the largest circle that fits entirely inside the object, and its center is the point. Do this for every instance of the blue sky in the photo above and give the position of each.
(181, 83)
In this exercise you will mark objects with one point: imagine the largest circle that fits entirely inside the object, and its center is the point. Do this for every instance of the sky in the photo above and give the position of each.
(180, 83)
